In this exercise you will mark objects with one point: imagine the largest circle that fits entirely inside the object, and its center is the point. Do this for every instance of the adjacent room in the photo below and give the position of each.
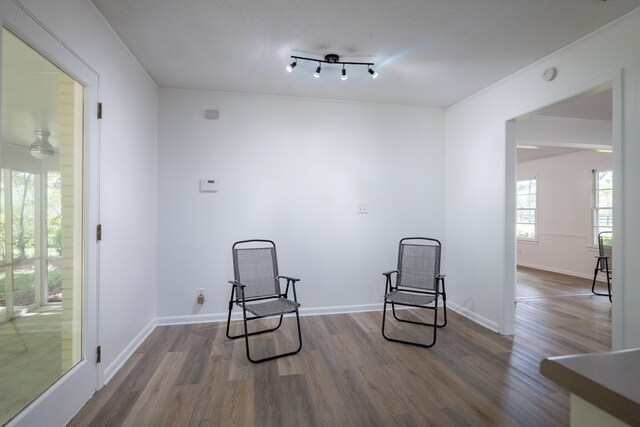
(563, 190)
(319, 213)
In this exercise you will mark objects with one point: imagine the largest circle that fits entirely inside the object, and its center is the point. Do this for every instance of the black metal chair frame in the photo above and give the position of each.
(602, 265)
(238, 289)
(389, 287)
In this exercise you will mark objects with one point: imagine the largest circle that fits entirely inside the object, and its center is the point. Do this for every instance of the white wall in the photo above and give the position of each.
(563, 131)
(475, 170)
(128, 173)
(292, 170)
(564, 214)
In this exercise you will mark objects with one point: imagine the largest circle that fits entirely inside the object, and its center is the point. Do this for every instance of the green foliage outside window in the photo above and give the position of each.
(22, 223)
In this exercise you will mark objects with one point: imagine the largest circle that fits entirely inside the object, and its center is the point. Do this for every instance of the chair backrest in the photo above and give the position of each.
(418, 263)
(604, 247)
(255, 265)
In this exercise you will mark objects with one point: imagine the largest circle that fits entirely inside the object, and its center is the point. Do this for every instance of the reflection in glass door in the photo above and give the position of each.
(41, 219)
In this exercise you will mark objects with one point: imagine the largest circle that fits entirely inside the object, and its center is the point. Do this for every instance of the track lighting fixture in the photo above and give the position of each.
(331, 58)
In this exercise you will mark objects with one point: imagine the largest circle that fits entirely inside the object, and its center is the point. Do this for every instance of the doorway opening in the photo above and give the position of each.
(563, 157)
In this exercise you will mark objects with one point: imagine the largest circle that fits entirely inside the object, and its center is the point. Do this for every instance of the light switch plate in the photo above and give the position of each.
(362, 208)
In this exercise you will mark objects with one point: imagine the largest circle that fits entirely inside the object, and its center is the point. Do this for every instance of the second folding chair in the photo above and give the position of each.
(418, 284)
(604, 262)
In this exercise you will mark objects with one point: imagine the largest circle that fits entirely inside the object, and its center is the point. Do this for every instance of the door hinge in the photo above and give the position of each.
(98, 354)
(99, 232)
(99, 110)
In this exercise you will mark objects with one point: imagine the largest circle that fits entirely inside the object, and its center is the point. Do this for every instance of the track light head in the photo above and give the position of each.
(344, 73)
(291, 66)
(373, 73)
(317, 73)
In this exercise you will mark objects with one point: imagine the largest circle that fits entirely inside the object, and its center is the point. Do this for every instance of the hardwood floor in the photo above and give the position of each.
(581, 321)
(348, 375)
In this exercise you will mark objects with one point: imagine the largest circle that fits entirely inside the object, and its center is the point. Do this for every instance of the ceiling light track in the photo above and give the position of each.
(331, 58)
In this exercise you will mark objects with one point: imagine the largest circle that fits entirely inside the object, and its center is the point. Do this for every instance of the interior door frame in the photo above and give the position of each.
(507, 296)
(58, 404)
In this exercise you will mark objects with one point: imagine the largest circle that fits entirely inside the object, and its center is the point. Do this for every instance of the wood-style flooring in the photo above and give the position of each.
(348, 375)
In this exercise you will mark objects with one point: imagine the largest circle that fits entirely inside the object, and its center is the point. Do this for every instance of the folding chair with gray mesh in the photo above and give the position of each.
(256, 289)
(418, 284)
(604, 262)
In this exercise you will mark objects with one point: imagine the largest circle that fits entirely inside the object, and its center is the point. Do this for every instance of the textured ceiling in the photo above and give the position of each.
(428, 52)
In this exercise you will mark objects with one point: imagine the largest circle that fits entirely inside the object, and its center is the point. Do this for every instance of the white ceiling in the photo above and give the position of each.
(567, 126)
(589, 106)
(527, 155)
(428, 52)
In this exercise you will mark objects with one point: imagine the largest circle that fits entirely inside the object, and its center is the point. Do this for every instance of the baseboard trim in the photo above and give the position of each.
(482, 321)
(222, 317)
(559, 270)
(122, 358)
(340, 309)
(194, 318)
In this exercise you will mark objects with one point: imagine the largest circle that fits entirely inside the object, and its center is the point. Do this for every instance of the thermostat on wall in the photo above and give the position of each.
(209, 185)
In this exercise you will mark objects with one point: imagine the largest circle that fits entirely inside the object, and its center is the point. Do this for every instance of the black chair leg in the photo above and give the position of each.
(433, 325)
(444, 309)
(437, 325)
(277, 356)
(595, 275)
(233, 337)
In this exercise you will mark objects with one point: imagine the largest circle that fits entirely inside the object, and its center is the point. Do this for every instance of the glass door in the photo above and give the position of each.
(47, 262)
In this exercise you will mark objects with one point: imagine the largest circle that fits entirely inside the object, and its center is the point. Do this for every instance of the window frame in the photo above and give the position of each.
(596, 228)
(534, 209)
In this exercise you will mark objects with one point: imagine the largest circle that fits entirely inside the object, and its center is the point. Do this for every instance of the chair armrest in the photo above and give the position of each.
(388, 286)
(441, 276)
(290, 281)
(293, 279)
(237, 284)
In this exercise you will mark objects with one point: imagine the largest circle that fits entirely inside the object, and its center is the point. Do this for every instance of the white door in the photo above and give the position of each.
(61, 160)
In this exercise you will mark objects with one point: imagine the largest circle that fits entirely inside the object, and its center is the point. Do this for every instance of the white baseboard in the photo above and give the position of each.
(561, 271)
(222, 317)
(121, 359)
(340, 309)
(195, 318)
(489, 324)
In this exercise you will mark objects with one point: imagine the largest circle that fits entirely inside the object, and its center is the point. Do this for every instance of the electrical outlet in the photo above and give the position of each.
(200, 296)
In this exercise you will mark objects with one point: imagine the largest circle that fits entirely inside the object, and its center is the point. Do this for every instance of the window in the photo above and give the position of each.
(602, 202)
(526, 204)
